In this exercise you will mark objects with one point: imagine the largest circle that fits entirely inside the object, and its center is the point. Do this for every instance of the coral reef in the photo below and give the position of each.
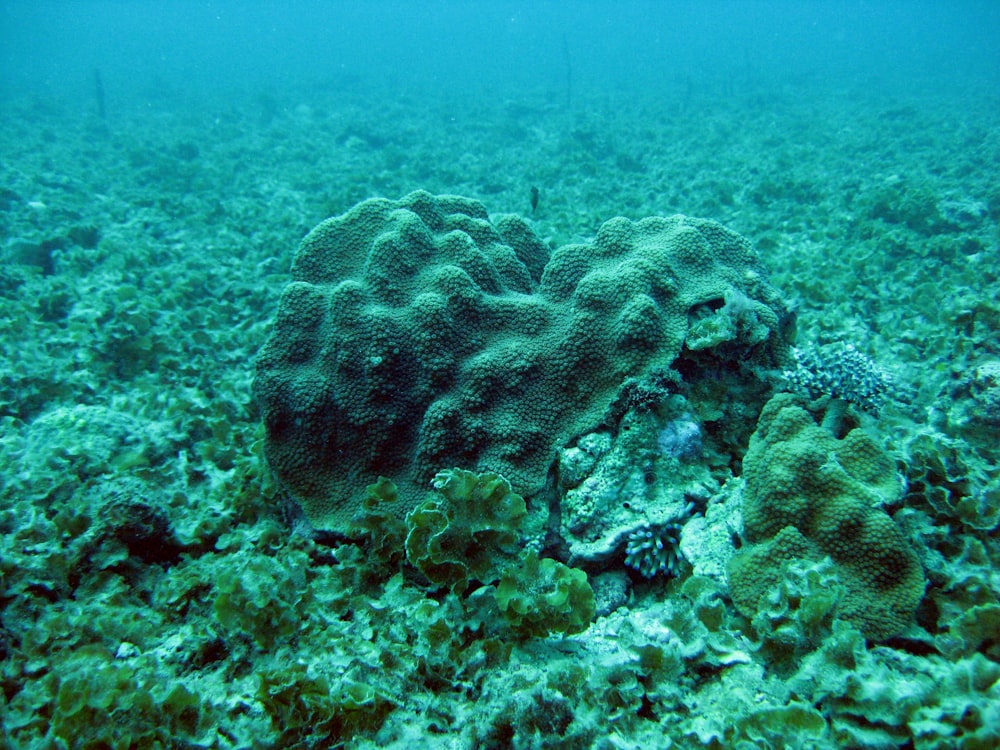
(418, 334)
(156, 590)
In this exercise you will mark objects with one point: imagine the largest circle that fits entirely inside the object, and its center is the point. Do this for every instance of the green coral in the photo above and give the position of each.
(904, 700)
(308, 710)
(542, 596)
(466, 533)
(91, 698)
(810, 495)
(467, 530)
(797, 612)
(262, 598)
(958, 487)
(383, 532)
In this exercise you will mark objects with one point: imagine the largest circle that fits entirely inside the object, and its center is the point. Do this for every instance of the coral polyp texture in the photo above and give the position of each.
(810, 495)
(421, 334)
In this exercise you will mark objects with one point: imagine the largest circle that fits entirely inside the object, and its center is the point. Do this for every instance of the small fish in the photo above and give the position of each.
(534, 198)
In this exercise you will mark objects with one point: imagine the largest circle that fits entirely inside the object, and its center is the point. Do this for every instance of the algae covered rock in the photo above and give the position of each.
(810, 495)
(638, 492)
(420, 334)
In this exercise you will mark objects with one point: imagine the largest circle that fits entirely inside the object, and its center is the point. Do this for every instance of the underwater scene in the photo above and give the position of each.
(598, 375)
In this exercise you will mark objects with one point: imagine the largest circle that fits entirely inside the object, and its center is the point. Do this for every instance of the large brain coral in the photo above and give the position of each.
(420, 334)
(810, 495)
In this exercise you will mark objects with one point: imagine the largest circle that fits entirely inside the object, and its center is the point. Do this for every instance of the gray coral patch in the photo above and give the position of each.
(635, 498)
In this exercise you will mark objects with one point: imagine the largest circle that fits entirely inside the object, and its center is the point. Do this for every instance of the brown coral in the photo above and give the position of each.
(809, 495)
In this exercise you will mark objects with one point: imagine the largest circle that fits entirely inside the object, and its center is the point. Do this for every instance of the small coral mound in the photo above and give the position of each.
(810, 495)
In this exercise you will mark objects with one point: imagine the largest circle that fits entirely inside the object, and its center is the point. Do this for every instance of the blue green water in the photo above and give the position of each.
(160, 163)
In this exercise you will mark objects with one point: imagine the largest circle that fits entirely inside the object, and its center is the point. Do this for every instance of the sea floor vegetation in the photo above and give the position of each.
(157, 591)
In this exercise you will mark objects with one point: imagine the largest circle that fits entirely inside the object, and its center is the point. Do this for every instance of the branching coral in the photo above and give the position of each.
(842, 372)
(655, 549)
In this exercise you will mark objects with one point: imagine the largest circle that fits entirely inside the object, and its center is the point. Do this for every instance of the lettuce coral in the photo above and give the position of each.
(884, 698)
(542, 596)
(467, 530)
(91, 698)
(307, 710)
(261, 598)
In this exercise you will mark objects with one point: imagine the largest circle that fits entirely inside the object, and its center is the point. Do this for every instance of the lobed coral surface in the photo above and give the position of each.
(414, 336)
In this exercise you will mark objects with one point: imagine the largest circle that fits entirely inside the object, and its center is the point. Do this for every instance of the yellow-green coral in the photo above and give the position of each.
(308, 710)
(467, 530)
(809, 495)
(92, 698)
(541, 596)
(261, 598)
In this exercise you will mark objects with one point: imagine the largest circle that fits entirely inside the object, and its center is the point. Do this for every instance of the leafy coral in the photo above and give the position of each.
(262, 598)
(92, 698)
(466, 531)
(309, 710)
(542, 596)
